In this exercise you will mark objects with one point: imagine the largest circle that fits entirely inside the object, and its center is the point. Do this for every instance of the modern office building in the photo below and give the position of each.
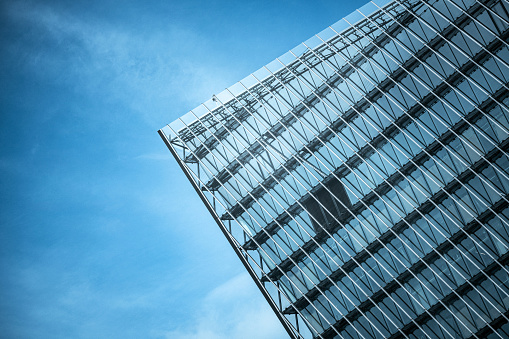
(362, 178)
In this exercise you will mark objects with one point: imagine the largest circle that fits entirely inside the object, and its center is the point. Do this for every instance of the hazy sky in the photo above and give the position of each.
(101, 235)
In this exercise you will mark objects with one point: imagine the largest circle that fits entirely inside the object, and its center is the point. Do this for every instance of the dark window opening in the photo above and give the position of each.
(335, 204)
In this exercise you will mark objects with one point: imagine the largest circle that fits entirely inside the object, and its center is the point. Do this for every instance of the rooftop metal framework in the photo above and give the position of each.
(363, 177)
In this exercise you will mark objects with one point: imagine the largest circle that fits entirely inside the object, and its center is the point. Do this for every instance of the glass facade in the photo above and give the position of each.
(363, 177)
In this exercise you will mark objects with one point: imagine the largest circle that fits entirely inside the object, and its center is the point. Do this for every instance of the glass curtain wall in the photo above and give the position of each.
(363, 177)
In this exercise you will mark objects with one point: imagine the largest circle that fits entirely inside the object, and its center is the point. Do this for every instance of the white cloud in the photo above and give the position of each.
(252, 317)
(145, 71)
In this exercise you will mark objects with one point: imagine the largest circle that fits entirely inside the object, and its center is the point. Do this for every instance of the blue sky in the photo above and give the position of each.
(101, 236)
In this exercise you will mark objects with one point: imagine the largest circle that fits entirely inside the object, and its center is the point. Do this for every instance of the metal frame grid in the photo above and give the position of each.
(403, 107)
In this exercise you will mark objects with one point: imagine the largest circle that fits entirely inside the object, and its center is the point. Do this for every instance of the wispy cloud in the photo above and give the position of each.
(141, 69)
(239, 297)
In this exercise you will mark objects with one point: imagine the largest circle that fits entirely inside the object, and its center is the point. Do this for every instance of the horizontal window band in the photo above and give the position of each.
(451, 297)
(423, 317)
(417, 267)
(356, 159)
(420, 158)
(241, 114)
(258, 146)
(273, 227)
(287, 264)
(495, 324)
(408, 168)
